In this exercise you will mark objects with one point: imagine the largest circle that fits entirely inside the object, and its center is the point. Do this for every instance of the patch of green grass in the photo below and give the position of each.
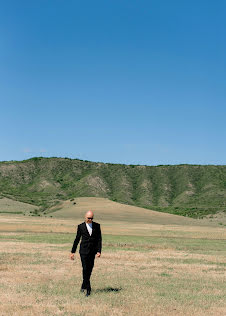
(11, 212)
(165, 274)
(134, 243)
(193, 261)
(50, 238)
(193, 212)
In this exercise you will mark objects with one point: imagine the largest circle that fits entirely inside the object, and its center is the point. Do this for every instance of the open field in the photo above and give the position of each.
(148, 267)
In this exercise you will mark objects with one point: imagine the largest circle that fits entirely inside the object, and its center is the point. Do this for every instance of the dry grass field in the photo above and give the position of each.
(107, 209)
(153, 266)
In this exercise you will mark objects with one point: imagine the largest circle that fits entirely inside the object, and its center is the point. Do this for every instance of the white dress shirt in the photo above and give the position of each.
(89, 228)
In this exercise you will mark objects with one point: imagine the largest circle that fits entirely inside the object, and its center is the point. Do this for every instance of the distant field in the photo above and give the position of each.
(108, 210)
(145, 268)
(16, 207)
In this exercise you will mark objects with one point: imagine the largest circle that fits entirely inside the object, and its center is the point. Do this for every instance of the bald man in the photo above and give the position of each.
(90, 247)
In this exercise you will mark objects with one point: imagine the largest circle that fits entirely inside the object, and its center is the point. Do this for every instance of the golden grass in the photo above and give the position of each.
(38, 278)
(105, 209)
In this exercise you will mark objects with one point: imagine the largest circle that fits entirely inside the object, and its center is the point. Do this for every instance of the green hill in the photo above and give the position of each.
(189, 190)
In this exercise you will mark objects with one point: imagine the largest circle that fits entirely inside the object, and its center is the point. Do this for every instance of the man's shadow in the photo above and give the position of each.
(108, 289)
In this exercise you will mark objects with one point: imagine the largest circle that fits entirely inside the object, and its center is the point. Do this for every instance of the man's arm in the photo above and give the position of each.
(99, 243)
(76, 241)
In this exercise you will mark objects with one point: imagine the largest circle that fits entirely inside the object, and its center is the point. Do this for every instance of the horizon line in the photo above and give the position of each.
(111, 163)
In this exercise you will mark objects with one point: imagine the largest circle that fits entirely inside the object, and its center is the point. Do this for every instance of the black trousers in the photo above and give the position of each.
(87, 267)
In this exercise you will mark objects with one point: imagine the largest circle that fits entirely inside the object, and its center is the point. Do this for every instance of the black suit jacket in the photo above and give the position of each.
(89, 244)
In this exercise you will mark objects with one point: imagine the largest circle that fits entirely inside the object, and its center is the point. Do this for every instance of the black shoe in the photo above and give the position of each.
(88, 292)
(82, 290)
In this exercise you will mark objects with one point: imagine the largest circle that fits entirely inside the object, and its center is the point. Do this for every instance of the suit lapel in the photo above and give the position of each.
(85, 228)
(93, 227)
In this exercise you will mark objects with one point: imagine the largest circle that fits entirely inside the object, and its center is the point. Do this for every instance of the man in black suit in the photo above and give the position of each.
(90, 246)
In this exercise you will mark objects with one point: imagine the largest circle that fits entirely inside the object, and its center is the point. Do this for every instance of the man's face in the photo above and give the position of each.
(89, 217)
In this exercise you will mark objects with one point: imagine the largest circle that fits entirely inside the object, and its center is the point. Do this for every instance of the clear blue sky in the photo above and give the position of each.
(135, 82)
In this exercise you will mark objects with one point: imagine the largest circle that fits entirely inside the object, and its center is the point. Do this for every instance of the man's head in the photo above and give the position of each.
(89, 217)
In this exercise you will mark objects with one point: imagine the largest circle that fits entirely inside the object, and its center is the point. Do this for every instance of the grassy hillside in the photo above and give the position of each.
(15, 207)
(189, 190)
(106, 210)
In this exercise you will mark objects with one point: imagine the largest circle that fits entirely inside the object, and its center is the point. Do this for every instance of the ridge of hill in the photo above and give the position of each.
(189, 190)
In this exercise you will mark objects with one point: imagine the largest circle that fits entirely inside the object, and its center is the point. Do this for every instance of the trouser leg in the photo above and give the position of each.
(84, 271)
(87, 267)
(89, 272)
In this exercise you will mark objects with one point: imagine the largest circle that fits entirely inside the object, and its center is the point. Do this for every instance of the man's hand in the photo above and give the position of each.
(72, 256)
(98, 254)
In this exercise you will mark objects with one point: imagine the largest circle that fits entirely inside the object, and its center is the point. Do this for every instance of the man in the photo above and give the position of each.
(90, 246)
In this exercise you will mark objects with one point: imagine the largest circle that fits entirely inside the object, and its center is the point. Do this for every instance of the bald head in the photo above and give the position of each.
(89, 217)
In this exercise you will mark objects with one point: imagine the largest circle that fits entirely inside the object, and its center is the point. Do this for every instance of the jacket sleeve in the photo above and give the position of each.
(76, 241)
(99, 241)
